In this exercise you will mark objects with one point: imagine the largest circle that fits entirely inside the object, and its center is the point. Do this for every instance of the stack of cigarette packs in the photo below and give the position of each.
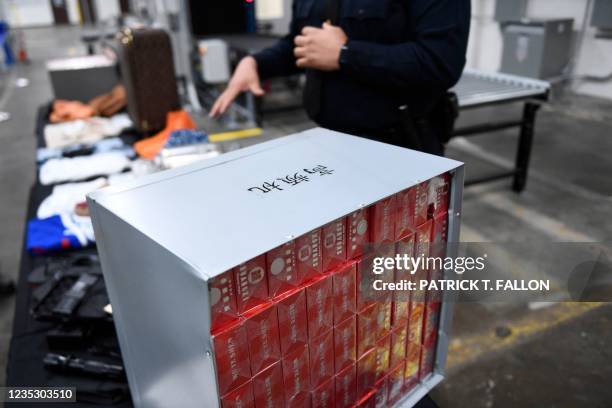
(302, 326)
(247, 280)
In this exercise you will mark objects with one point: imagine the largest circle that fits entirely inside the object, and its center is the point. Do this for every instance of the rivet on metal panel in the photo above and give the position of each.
(458, 214)
(208, 353)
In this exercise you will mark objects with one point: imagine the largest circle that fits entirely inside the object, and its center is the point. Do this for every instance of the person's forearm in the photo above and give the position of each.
(277, 60)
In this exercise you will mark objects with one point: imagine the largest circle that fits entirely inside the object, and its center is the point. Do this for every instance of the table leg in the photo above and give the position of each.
(525, 143)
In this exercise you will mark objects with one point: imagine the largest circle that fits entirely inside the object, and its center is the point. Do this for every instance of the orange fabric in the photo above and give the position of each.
(150, 147)
(104, 105)
(70, 110)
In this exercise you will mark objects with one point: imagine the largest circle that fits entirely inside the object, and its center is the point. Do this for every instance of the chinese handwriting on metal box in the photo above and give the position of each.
(291, 180)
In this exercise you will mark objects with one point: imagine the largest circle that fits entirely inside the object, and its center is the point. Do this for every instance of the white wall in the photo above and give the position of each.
(484, 51)
(485, 46)
(73, 11)
(28, 13)
(31, 13)
(107, 9)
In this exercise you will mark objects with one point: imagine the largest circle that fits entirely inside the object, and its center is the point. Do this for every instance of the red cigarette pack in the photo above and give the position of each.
(345, 343)
(366, 329)
(405, 248)
(434, 295)
(368, 400)
(383, 353)
(422, 249)
(423, 239)
(302, 402)
(399, 337)
(366, 295)
(404, 221)
(232, 357)
(321, 359)
(251, 283)
(428, 354)
(383, 221)
(366, 372)
(396, 382)
(241, 397)
(439, 190)
(431, 322)
(440, 229)
(421, 203)
(399, 313)
(261, 326)
(320, 306)
(222, 294)
(309, 255)
(439, 235)
(401, 299)
(323, 396)
(385, 252)
(415, 326)
(292, 321)
(334, 244)
(383, 319)
(282, 270)
(344, 283)
(411, 371)
(268, 387)
(358, 230)
(346, 387)
(382, 391)
(296, 377)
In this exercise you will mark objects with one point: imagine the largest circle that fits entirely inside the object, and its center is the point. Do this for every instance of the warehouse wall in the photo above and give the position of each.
(73, 11)
(32, 13)
(595, 56)
(28, 13)
(107, 9)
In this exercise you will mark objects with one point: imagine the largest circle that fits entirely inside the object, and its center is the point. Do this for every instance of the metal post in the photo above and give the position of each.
(525, 143)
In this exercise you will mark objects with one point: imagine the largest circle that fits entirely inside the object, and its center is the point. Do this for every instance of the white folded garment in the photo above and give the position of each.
(82, 167)
(65, 197)
(85, 131)
(80, 227)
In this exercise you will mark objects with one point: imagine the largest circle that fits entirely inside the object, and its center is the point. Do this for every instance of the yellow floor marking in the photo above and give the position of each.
(467, 349)
(235, 134)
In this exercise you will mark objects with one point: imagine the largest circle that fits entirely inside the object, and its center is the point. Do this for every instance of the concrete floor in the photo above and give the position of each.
(550, 355)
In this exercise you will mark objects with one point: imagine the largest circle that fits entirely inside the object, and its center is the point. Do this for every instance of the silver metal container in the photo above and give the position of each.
(163, 237)
(537, 49)
(82, 78)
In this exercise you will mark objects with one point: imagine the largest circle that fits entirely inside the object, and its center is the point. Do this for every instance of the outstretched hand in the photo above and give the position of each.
(245, 78)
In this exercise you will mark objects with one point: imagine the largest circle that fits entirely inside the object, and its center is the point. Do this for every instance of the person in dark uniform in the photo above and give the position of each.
(374, 68)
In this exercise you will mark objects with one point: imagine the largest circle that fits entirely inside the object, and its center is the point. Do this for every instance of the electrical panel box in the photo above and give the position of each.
(510, 10)
(214, 56)
(242, 280)
(602, 14)
(537, 49)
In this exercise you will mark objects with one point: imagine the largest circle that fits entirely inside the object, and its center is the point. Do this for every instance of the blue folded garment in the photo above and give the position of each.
(186, 138)
(58, 233)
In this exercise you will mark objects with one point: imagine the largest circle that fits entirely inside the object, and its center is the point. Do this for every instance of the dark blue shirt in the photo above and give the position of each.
(399, 52)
